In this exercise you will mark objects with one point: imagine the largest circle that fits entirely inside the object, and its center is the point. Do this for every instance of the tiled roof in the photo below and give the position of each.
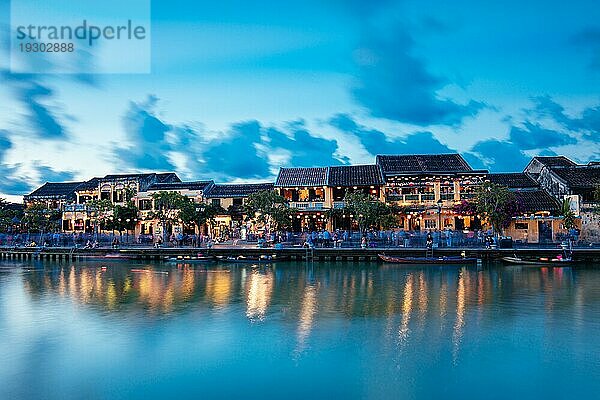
(355, 175)
(517, 180)
(422, 163)
(160, 177)
(583, 176)
(302, 177)
(555, 161)
(167, 177)
(62, 190)
(124, 176)
(89, 185)
(531, 201)
(237, 190)
(195, 185)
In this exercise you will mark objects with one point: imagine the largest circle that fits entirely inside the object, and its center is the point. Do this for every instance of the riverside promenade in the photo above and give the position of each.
(289, 253)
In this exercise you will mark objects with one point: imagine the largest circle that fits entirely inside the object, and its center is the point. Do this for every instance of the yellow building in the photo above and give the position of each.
(231, 199)
(149, 226)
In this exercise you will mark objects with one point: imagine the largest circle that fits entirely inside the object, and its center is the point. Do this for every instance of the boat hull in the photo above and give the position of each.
(520, 261)
(244, 260)
(427, 260)
(200, 260)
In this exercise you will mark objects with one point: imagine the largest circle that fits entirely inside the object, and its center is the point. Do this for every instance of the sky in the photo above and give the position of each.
(237, 90)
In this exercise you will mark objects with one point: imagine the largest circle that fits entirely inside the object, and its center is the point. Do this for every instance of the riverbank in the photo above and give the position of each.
(315, 254)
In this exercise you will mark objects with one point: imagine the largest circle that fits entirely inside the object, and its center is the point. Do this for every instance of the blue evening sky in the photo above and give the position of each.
(238, 89)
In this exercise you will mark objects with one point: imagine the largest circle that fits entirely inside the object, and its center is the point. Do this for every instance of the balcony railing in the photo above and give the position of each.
(307, 205)
(339, 204)
(75, 207)
(412, 198)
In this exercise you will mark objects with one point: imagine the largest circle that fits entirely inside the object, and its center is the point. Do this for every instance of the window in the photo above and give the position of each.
(216, 202)
(430, 224)
(238, 202)
(521, 225)
(118, 196)
(145, 204)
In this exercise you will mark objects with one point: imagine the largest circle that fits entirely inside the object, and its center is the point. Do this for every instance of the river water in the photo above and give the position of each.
(122, 330)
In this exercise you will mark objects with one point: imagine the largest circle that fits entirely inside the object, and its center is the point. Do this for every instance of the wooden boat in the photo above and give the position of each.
(192, 260)
(427, 260)
(252, 260)
(540, 261)
(120, 256)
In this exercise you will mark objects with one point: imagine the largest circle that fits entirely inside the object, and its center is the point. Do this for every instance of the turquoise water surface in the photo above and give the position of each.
(347, 330)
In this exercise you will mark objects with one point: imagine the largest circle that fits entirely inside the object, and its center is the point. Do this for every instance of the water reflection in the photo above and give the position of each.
(393, 327)
(459, 324)
(404, 330)
(371, 290)
(259, 291)
(308, 311)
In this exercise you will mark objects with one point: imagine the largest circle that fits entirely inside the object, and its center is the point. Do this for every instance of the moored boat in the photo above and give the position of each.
(427, 260)
(252, 260)
(192, 260)
(558, 261)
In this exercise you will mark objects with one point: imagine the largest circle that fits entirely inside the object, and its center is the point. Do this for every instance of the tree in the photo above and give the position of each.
(498, 204)
(269, 209)
(167, 208)
(198, 214)
(38, 218)
(9, 216)
(465, 208)
(568, 215)
(100, 212)
(368, 211)
(125, 217)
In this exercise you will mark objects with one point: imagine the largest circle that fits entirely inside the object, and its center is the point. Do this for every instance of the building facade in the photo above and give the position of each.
(564, 179)
(314, 191)
(428, 187)
(538, 220)
(425, 190)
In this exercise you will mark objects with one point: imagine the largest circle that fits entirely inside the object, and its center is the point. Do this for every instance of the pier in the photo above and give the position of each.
(295, 253)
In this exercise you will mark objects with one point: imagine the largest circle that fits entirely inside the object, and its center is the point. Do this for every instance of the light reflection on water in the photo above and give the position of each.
(91, 330)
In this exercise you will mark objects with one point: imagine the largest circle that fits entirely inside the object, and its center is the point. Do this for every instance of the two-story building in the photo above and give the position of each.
(231, 199)
(147, 225)
(538, 220)
(428, 186)
(77, 215)
(564, 179)
(53, 195)
(313, 191)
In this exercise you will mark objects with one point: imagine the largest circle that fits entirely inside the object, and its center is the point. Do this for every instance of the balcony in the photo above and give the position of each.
(75, 207)
(468, 196)
(412, 198)
(307, 205)
(339, 204)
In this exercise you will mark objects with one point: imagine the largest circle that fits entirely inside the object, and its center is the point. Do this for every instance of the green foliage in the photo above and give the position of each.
(568, 215)
(198, 214)
(8, 216)
(100, 212)
(268, 209)
(167, 208)
(124, 217)
(38, 218)
(367, 211)
(498, 204)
